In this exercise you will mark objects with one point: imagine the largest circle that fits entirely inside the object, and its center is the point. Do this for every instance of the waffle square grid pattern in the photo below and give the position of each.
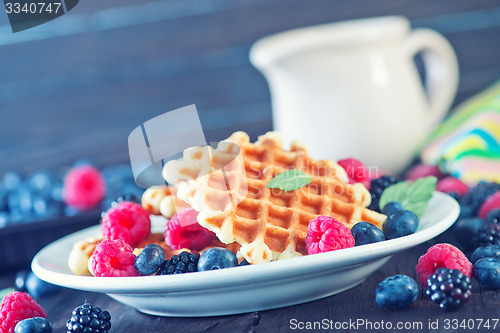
(270, 224)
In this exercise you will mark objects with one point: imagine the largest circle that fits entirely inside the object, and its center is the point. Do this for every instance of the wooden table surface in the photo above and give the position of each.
(78, 86)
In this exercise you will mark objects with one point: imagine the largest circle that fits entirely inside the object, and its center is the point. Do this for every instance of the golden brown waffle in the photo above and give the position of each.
(270, 224)
(162, 200)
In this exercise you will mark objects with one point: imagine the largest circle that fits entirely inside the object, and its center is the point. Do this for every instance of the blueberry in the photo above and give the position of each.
(492, 251)
(465, 229)
(20, 281)
(33, 325)
(11, 181)
(466, 211)
(392, 207)
(40, 182)
(150, 259)
(366, 233)
(487, 272)
(396, 292)
(493, 216)
(400, 224)
(37, 287)
(217, 258)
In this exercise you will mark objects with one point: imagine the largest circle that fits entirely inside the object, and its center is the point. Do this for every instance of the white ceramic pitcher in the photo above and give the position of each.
(352, 89)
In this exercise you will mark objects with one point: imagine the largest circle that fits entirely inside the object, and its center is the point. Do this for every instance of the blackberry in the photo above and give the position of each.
(184, 262)
(489, 234)
(89, 319)
(377, 186)
(478, 194)
(449, 288)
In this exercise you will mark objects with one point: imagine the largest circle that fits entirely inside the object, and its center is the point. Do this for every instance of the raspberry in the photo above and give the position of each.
(325, 234)
(356, 171)
(442, 255)
(185, 262)
(449, 288)
(113, 258)
(15, 307)
(493, 202)
(127, 221)
(84, 187)
(183, 231)
(452, 185)
(423, 170)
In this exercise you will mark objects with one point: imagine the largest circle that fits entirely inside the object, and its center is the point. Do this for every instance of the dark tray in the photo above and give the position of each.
(19, 243)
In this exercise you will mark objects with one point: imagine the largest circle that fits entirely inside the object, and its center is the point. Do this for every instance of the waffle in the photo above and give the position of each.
(269, 224)
(162, 200)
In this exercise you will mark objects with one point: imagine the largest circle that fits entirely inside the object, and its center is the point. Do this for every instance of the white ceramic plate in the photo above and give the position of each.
(246, 288)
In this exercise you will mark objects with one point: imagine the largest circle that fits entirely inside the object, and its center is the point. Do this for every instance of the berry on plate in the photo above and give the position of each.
(396, 292)
(184, 262)
(377, 186)
(15, 307)
(392, 207)
(89, 318)
(442, 255)
(449, 288)
(84, 187)
(366, 233)
(184, 231)
(33, 325)
(326, 233)
(400, 223)
(356, 171)
(217, 258)
(127, 221)
(112, 258)
(487, 272)
(150, 259)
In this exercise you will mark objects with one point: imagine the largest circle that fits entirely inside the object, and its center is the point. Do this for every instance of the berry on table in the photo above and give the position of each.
(150, 259)
(490, 204)
(487, 272)
(326, 233)
(33, 325)
(452, 185)
(396, 292)
(15, 307)
(216, 258)
(20, 280)
(493, 216)
(36, 287)
(492, 251)
(489, 234)
(449, 288)
(113, 258)
(366, 233)
(465, 231)
(89, 318)
(184, 262)
(127, 221)
(184, 231)
(84, 187)
(377, 186)
(442, 255)
(392, 207)
(478, 194)
(399, 224)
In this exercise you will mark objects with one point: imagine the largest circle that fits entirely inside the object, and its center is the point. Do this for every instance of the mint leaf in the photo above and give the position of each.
(290, 180)
(414, 196)
(5, 292)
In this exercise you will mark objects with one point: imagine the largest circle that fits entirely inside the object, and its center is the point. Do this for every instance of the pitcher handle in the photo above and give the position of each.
(441, 69)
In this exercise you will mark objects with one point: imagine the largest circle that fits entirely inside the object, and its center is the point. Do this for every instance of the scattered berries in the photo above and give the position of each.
(183, 231)
(492, 251)
(113, 257)
(487, 272)
(396, 292)
(150, 259)
(325, 234)
(366, 233)
(356, 171)
(449, 288)
(127, 221)
(489, 234)
(490, 204)
(15, 307)
(452, 185)
(378, 186)
(477, 195)
(184, 262)
(442, 255)
(217, 258)
(89, 318)
(400, 223)
(423, 170)
(33, 325)
(84, 187)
